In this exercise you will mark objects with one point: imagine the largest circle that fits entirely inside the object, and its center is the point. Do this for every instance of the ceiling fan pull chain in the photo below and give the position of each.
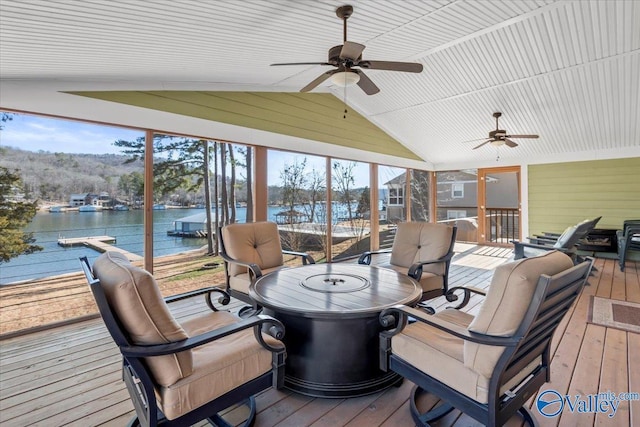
(345, 103)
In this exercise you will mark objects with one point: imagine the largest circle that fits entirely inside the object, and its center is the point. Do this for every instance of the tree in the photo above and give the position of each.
(181, 163)
(364, 203)
(293, 178)
(14, 216)
(420, 195)
(344, 182)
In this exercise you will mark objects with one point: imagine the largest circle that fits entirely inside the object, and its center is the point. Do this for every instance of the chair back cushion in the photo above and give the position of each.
(508, 299)
(421, 241)
(134, 296)
(254, 242)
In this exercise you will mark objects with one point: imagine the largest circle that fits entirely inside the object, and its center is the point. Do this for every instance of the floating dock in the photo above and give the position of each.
(98, 243)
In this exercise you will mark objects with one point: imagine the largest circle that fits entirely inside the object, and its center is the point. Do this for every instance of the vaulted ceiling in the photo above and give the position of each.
(566, 70)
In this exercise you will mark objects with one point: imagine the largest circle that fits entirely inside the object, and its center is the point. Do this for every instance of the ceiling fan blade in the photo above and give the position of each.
(409, 67)
(302, 63)
(522, 136)
(322, 77)
(366, 84)
(510, 143)
(351, 50)
(474, 140)
(486, 142)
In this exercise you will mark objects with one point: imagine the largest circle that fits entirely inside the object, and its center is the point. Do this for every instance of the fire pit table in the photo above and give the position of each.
(330, 313)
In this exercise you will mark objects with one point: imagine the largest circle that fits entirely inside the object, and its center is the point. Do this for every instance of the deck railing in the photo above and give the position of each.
(502, 225)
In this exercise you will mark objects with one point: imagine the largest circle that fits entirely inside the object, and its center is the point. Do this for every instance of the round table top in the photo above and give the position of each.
(347, 290)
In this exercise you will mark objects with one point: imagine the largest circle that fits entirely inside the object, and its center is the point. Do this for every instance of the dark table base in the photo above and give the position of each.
(333, 357)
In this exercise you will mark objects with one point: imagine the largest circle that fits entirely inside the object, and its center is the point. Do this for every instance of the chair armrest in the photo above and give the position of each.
(306, 258)
(224, 299)
(365, 258)
(256, 322)
(253, 268)
(518, 249)
(467, 291)
(398, 315)
(415, 270)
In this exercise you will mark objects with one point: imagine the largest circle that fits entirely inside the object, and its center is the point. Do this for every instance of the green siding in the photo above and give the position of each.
(314, 116)
(562, 194)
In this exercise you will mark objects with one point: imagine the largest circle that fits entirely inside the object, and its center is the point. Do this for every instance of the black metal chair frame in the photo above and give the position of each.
(139, 382)
(254, 270)
(415, 270)
(569, 247)
(625, 242)
(552, 299)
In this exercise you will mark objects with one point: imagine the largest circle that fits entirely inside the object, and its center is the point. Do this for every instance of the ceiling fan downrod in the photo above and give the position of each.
(344, 12)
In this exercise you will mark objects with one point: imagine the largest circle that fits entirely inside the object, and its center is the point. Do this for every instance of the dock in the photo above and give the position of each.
(98, 243)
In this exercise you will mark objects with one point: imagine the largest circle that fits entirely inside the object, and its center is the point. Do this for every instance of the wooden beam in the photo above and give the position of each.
(329, 213)
(148, 201)
(374, 221)
(407, 195)
(261, 186)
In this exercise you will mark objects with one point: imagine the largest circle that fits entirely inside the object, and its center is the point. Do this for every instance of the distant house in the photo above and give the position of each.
(457, 195)
(395, 198)
(83, 199)
(79, 199)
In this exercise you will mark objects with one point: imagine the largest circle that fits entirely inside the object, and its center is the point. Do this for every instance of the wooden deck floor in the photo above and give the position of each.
(70, 375)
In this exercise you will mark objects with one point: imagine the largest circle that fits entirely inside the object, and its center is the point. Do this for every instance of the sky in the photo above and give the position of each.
(35, 133)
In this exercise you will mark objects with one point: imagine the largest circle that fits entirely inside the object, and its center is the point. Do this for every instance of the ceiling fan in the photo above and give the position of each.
(500, 137)
(349, 55)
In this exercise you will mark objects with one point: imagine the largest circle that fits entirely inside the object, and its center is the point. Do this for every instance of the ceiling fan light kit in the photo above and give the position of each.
(349, 55)
(345, 78)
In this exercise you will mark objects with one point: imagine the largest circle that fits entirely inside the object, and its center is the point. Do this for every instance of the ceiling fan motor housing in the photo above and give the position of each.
(497, 133)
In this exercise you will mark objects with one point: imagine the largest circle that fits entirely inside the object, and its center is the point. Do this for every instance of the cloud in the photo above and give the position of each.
(56, 135)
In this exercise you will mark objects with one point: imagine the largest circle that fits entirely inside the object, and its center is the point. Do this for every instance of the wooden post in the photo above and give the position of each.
(329, 213)
(433, 197)
(407, 195)
(261, 185)
(148, 201)
(374, 218)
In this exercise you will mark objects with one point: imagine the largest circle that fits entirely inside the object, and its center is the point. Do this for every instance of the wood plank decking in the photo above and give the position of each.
(70, 375)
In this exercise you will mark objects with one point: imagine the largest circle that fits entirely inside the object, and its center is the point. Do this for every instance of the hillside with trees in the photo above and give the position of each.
(53, 177)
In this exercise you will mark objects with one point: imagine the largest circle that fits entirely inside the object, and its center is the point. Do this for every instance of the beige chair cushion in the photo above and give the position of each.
(255, 243)
(421, 241)
(218, 367)
(428, 281)
(506, 303)
(241, 282)
(440, 355)
(135, 298)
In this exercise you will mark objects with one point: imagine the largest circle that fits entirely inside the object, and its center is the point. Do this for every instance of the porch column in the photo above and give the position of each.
(374, 216)
(148, 201)
(261, 187)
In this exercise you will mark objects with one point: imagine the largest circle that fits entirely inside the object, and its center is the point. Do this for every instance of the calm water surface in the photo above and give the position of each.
(125, 226)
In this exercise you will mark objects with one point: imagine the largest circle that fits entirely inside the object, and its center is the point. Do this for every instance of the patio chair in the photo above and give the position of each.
(423, 251)
(489, 365)
(566, 242)
(251, 250)
(628, 240)
(178, 374)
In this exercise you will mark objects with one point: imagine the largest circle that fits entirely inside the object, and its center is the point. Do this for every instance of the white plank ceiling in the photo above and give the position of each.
(566, 70)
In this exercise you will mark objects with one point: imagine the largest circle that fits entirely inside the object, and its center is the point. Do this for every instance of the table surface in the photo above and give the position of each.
(347, 290)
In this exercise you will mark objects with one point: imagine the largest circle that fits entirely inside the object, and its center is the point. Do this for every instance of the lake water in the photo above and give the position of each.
(125, 226)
